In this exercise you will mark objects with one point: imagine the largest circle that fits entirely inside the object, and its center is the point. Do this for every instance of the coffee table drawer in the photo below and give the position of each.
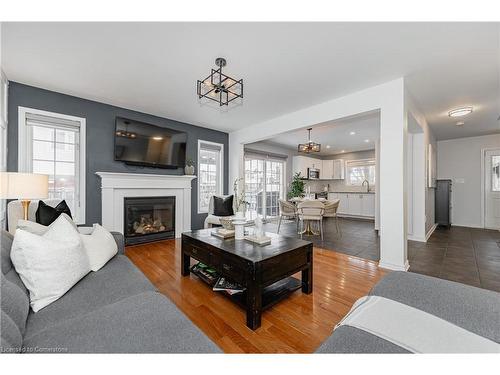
(229, 269)
(276, 268)
(198, 253)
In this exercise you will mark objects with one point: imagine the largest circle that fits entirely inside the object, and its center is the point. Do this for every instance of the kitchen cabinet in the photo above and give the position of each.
(338, 169)
(368, 205)
(355, 204)
(302, 163)
(326, 170)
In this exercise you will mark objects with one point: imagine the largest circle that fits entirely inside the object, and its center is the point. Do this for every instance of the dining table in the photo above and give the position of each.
(297, 200)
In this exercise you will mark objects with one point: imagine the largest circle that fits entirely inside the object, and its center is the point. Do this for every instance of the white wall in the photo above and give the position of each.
(425, 213)
(460, 161)
(3, 130)
(389, 99)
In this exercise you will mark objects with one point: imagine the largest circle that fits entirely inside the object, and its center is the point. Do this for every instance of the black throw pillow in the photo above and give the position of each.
(45, 214)
(223, 206)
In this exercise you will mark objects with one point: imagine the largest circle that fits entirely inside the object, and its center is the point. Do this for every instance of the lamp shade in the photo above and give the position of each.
(24, 186)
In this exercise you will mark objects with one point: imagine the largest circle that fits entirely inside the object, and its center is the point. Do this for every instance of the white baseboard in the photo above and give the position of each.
(411, 237)
(467, 225)
(394, 267)
(429, 233)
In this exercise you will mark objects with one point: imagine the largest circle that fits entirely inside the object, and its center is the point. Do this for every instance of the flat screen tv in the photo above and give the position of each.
(138, 143)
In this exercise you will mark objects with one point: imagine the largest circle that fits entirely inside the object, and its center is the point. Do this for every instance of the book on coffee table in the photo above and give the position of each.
(223, 233)
(228, 286)
(206, 273)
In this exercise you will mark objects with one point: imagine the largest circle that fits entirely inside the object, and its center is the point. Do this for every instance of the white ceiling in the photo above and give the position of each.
(153, 67)
(337, 135)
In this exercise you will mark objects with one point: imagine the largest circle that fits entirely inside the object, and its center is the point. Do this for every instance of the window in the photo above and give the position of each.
(264, 183)
(210, 159)
(359, 170)
(495, 173)
(54, 144)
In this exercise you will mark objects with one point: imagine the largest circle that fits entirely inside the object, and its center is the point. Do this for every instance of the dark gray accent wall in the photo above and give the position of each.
(100, 122)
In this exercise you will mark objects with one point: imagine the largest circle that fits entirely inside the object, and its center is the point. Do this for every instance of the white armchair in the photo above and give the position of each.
(211, 219)
(15, 213)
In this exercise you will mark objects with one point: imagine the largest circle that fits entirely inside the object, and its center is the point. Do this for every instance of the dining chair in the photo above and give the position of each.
(310, 211)
(288, 211)
(331, 208)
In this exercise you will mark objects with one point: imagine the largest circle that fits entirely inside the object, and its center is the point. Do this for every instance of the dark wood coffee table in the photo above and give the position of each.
(265, 271)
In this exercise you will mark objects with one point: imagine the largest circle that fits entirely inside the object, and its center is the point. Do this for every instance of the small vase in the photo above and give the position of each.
(239, 230)
(189, 170)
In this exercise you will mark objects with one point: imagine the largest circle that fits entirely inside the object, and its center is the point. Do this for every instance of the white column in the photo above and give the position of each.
(393, 216)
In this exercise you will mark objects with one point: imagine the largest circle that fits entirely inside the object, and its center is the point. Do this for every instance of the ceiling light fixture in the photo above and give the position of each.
(460, 123)
(310, 146)
(459, 112)
(367, 140)
(342, 151)
(157, 138)
(220, 87)
(352, 133)
(327, 146)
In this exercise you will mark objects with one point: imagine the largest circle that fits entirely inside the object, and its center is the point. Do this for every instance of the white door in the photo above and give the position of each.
(492, 189)
(264, 186)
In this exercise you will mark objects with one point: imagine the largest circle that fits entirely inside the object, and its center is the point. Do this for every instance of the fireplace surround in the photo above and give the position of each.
(117, 186)
(148, 219)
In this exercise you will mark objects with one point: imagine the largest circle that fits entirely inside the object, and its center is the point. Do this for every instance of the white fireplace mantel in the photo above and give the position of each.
(118, 186)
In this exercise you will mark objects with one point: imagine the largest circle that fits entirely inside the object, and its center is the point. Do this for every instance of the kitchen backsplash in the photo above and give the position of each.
(334, 186)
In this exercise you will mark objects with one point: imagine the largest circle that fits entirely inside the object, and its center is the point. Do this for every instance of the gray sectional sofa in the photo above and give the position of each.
(113, 310)
(474, 309)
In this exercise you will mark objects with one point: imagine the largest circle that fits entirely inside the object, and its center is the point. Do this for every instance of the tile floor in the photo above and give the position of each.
(358, 237)
(467, 255)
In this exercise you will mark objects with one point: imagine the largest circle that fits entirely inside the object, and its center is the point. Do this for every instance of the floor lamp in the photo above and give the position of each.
(24, 186)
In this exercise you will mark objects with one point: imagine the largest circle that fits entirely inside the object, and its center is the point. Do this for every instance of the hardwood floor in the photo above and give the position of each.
(298, 324)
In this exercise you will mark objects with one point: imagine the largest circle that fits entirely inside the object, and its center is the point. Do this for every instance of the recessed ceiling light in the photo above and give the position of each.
(460, 123)
(157, 138)
(342, 151)
(327, 146)
(460, 112)
(352, 133)
(367, 140)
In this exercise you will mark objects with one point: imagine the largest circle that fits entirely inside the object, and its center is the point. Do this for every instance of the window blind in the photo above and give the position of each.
(33, 119)
(210, 146)
(257, 154)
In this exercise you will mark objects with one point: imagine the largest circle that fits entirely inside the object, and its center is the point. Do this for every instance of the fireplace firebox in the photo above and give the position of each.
(149, 219)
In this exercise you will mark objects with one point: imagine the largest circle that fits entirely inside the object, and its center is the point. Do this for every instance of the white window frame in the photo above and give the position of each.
(23, 162)
(283, 187)
(347, 176)
(220, 176)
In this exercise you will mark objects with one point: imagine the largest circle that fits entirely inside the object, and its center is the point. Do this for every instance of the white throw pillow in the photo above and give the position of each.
(32, 227)
(100, 247)
(50, 264)
(36, 228)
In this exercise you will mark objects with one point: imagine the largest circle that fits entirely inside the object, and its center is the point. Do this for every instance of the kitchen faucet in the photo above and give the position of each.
(367, 185)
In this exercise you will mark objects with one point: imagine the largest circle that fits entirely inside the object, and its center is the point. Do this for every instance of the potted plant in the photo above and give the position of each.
(189, 168)
(296, 186)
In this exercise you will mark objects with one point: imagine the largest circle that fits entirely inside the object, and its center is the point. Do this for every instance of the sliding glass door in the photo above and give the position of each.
(264, 185)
